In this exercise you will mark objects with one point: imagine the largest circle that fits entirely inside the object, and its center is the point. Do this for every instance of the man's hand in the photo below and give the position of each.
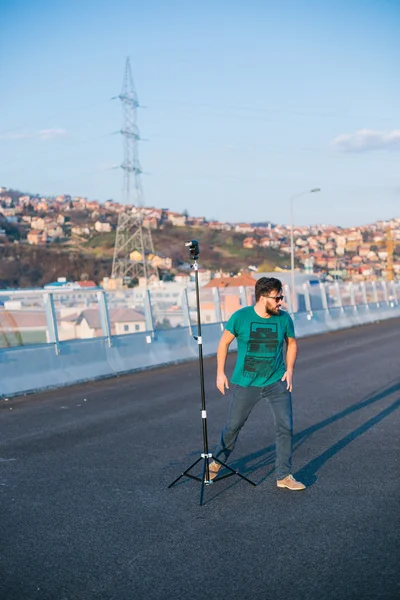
(288, 377)
(222, 383)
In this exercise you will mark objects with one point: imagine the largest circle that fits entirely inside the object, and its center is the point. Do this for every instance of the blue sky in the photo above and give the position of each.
(246, 104)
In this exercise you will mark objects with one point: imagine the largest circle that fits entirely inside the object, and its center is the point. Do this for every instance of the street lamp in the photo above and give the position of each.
(292, 241)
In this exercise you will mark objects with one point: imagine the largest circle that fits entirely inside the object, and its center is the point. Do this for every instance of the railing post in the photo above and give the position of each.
(217, 306)
(385, 291)
(338, 296)
(104, 316)
(186, 312)
(324, 299)
(294, 299)
(51, 320)
(243, 296)
(288, 296)
(352, 295)
(375, 293)
(394, 292)
(364, 294)
(307, 300)
(148, 313)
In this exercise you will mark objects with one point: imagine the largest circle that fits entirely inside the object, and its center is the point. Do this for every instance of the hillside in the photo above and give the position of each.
(218, 249)
(22, 265)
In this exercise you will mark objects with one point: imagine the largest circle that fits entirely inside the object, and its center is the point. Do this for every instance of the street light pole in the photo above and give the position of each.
(292, 254)
(292, 241)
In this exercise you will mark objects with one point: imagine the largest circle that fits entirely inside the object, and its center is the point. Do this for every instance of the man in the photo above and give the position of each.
(260, 373)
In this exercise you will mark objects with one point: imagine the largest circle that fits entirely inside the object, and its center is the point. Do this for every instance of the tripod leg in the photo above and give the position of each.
(185, 472)
(203, 481)
(233, 471)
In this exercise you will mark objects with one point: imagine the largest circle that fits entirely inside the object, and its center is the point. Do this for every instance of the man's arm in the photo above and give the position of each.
(222, 352)
(291, 354)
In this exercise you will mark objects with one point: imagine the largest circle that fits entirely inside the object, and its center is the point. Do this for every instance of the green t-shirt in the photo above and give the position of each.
(260, 346)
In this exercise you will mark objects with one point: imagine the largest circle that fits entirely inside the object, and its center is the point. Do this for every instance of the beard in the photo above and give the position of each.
(272, 311)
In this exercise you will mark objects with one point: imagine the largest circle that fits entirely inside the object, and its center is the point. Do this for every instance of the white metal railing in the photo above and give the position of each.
(29, 317)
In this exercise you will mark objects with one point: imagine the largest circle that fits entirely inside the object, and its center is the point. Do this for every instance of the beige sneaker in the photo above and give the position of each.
(290, 483)
(213, 468)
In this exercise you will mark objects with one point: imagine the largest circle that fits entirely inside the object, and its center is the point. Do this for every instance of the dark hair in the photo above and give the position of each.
(265, 285)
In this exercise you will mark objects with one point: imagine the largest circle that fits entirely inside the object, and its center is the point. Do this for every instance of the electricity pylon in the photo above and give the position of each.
(133, 240)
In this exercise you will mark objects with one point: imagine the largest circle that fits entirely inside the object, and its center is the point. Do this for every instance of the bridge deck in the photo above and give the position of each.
(86, 513)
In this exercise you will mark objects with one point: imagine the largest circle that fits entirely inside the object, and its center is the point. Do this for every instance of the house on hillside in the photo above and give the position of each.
(266, 242)
(229, 289)
(103, 226)
(151, 222)
(250, 243)
(182, 278)
(195, 221)
(176, 219)
(92, 206)
(22, 327)
(87, 323)
(87, 285)
(243, 228)
(38, 223)
(160, 262)
(36, 237)
(219, 226)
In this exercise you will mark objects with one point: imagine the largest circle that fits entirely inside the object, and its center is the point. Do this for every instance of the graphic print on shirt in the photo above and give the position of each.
(261, 350)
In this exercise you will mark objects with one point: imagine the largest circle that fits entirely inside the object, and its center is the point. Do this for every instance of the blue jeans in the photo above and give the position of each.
(242, 403)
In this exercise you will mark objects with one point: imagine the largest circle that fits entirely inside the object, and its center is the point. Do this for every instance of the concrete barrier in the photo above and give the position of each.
(144, 350)
(345, 317)
(33, 368)
(27, 369)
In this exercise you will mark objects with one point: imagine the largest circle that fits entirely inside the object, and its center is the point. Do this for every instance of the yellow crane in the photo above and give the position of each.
(388, 243)
(390, 251)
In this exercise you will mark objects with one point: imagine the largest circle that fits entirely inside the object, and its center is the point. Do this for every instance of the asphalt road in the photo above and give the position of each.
(86, 513)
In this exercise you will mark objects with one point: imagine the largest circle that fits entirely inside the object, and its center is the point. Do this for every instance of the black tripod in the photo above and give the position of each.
(206, 456)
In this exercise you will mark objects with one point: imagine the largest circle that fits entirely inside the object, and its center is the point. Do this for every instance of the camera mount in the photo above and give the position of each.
(194, 250)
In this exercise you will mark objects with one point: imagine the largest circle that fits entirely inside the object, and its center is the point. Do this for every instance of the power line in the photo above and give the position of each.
(53, 116)
(58, 155)
(256, 109)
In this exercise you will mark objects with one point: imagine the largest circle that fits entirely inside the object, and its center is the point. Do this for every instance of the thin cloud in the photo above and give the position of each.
(41, 134)
(50, 134)
(109, 166)
(367, 140)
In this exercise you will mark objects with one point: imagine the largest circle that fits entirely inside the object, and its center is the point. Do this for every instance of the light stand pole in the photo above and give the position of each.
(206, 456)
(292, 243)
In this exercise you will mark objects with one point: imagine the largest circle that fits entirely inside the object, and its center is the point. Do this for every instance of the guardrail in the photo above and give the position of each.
(56, 338)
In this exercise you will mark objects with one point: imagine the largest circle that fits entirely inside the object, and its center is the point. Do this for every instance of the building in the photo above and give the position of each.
(250, 243)
(243, 228)
(37, 237)
(87, 323)
(21, 327)
(229, 291)
(176, 219)
(182, 278)
(103, 227)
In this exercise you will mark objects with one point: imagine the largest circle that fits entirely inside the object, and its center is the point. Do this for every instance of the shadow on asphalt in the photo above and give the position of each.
(266, 457)
(249, 464)
(307, 473)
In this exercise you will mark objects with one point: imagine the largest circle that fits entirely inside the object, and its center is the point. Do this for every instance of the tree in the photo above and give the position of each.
(265, 267)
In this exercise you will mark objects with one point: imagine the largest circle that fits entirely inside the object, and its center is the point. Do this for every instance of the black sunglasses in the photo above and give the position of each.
(276, 298)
